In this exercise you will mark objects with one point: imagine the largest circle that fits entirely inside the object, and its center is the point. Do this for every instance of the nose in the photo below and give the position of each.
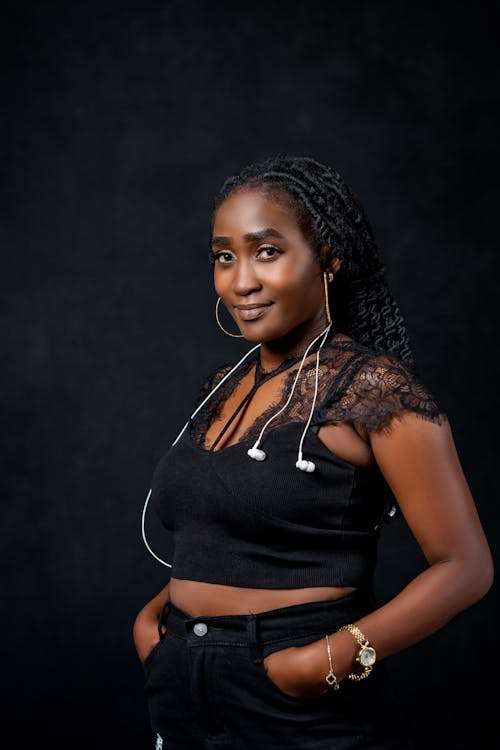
(245, 279)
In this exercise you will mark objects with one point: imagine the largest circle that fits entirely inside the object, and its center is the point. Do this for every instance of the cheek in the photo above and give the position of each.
(294, 283)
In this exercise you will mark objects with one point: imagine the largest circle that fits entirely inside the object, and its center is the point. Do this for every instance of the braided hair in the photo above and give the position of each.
(326, 210)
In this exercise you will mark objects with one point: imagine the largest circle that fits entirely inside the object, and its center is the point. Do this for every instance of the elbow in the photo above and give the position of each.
(471, 577)
(481, 577)
(487, 578)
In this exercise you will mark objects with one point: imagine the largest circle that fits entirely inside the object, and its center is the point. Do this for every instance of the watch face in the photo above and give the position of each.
(367, 656)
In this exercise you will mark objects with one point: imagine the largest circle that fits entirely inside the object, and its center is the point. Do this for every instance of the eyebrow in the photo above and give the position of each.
(249, 237)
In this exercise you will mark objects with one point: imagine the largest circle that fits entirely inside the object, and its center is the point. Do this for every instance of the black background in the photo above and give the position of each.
(120, 122)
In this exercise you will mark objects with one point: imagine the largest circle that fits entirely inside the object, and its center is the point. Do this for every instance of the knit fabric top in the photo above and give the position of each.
(266, 524)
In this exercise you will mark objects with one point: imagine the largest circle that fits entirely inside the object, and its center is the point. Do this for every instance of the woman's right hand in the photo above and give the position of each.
(146, 636)
(145, 629)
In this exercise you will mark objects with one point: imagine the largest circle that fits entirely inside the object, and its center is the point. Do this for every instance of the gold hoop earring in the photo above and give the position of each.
(233, 335)
(327, 306)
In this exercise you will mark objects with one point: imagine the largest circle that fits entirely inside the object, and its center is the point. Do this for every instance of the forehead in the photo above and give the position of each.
(251, 210)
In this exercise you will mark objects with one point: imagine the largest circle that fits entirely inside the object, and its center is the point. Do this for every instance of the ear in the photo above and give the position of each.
(335, 264)
(329, 262)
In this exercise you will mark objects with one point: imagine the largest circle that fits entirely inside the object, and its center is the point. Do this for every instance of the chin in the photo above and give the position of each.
(252, 338)
(263, 334)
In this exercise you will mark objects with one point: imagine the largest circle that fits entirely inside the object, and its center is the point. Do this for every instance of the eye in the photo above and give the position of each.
(268, 252)
(222, 258)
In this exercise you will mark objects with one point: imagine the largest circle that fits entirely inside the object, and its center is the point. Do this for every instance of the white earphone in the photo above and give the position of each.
(255, 452)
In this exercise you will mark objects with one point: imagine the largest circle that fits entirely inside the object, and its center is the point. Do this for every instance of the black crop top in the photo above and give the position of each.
(266, 524)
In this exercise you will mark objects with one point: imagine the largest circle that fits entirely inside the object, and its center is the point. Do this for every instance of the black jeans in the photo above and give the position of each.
(206, 686)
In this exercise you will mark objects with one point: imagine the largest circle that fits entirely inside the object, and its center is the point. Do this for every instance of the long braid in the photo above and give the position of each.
(327, 210)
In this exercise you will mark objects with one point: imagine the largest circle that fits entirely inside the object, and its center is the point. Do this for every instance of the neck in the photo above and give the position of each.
(293, 344)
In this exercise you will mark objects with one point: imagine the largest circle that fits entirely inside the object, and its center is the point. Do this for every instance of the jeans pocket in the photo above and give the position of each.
(148, 661)
(302, 640)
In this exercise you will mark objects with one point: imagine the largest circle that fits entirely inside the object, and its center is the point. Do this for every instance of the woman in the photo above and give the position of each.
(268, 634)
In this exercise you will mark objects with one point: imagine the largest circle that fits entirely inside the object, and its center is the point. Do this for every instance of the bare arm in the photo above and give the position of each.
(145, 629)
(420, 463)
(419, 460)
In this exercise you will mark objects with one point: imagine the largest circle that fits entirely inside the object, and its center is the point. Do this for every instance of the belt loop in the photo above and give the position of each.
(253, 642)
(160, 620)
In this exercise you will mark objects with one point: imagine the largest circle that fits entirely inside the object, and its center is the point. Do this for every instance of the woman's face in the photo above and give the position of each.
(265, 270)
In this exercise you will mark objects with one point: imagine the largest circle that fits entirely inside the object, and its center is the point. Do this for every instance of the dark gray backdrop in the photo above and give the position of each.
(120, 122)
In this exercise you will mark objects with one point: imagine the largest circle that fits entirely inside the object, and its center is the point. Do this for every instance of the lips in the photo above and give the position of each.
(251, 312)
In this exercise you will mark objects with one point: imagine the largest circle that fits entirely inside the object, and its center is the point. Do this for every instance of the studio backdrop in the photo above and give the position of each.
(120, 122)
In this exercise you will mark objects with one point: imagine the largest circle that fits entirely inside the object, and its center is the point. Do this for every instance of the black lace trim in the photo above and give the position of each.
(367, 388)
(377, 390)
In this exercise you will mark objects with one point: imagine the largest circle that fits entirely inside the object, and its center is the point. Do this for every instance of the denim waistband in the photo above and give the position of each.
(261, 629)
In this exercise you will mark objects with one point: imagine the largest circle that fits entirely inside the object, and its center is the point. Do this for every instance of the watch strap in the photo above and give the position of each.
(364, 644)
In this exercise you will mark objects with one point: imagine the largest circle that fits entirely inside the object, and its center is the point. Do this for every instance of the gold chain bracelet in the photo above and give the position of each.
(330, 677)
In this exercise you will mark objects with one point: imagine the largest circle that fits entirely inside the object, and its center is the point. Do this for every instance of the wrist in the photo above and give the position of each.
(366, 655)
(315, 666)
(315, 662)
(344, 647)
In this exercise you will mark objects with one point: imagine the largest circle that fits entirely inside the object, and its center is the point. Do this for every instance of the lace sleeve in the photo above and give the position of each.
(381, 389)
(210, 382)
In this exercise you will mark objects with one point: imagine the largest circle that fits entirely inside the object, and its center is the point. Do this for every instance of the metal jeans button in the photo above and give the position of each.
(200, 628)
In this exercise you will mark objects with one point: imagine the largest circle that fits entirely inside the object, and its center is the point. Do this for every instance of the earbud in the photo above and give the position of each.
(302, 464)
(307, 466)
(256, 453)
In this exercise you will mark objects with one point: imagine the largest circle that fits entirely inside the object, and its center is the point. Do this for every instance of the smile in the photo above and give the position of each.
(251, 312)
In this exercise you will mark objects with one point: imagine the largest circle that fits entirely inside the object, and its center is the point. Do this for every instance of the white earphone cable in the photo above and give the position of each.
(213, 391)
(254, 452)
(143, 519)
(311, 412)
(324, 334)
(169, 565)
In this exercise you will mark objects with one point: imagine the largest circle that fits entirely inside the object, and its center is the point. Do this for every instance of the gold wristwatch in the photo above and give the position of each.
(367, 656)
